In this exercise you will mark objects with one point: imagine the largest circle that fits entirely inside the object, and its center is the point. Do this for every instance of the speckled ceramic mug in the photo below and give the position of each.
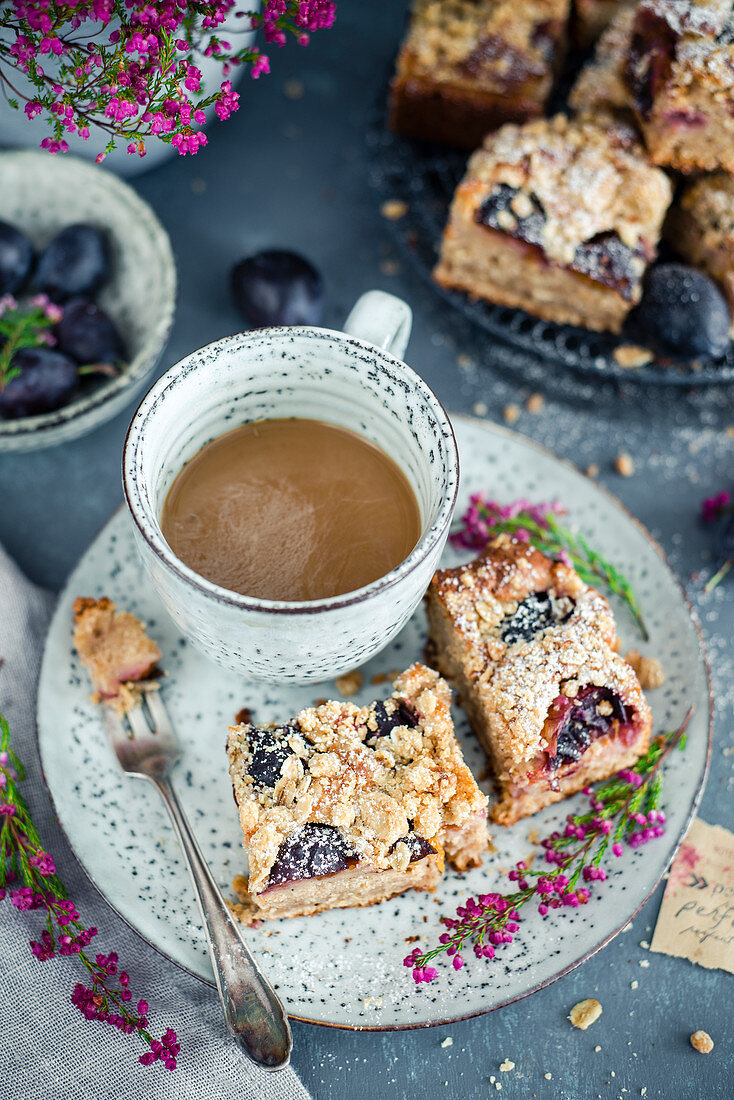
(354, 379)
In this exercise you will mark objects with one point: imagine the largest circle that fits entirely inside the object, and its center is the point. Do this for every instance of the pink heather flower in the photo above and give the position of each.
(714, 507)
(458, 962)
(617, 849)
(260, 65)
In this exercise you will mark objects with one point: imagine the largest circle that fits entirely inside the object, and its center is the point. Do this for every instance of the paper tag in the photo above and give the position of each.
(696, 918)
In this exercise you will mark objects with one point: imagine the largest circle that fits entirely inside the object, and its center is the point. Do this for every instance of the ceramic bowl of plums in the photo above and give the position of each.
(87, 297)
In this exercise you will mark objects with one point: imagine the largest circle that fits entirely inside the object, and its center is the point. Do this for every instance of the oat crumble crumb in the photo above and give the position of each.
(630, 356)
(511, 414)
(585, 1013)
(535, 403)
(650, 672)
(479, 409)
(350, 682)
(592, 470)
(394, 209)
(702, 1042)
(624, 465)
(293, 89)
(644, 962)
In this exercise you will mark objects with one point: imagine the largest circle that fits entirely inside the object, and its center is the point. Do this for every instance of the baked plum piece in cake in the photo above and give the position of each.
(528, 646)
(116, 651)
(349, 805)
(700, 226)
(557, 217)
(680, 72)
(468, 66)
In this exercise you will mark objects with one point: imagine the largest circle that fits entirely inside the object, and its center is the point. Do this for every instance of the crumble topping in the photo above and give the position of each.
(509, 593)
(377, 784)
(587, 180)
(485, 41)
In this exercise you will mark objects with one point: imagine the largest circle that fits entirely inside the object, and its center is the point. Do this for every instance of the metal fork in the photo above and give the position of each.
(146, 747)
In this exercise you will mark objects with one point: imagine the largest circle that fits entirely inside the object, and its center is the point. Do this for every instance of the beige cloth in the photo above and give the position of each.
(47, 1049)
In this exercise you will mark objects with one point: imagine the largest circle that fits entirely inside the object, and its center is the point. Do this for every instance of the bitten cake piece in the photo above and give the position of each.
(116, 651)
(556, 217)
(468, 66)
(680, 71)
(700, 226)
(349, 805)
(529, 648)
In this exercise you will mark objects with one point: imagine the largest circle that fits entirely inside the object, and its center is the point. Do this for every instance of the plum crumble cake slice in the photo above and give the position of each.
(468, 66)
(529, 648)
(116, 651)
(700, 226)
(557, 217)
(349, 805)
(680, 72)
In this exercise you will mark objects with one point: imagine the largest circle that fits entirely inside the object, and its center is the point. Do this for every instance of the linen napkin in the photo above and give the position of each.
(46, 1047)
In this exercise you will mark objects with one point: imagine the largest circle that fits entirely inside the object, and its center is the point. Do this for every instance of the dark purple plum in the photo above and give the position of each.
(400, 714)
(583, 724)
(682, 314)
(47, 381)
(88, 334)
(311, 851)
(534, 613)
(16, 258)
(268, 755)
(419, 846)
(75, 263)
(278, 288)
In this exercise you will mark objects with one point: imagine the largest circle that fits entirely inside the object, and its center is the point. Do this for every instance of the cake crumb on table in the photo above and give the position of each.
(583, 1014)
(635, 984)
(548, 1076)
(511, 414)
(649, 671)
(624, 465)
(349, 683)
(394, 209)
(535, 403)
(293, 89)
(592, 470)
(507, 1065)
(702, 1042)
(479, 408)
(448, 1042)
(630, 356)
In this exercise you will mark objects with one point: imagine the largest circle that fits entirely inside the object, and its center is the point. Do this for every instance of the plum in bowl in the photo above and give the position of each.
(41, 196)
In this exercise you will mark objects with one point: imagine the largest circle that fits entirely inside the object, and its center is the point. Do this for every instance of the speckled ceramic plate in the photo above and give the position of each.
(344, 968)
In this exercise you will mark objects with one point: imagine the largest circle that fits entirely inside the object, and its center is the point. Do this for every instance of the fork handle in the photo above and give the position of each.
(253, 1012)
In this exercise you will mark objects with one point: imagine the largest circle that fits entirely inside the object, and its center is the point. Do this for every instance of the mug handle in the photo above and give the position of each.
(381, 319)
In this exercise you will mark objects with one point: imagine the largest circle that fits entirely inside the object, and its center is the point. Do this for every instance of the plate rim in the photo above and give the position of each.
(492, 427)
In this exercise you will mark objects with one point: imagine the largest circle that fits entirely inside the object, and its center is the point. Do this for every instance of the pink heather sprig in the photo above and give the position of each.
(130, 69)
(28, 879)
(538, 523)
(25, 325)
(622, 809)
(713, 510)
